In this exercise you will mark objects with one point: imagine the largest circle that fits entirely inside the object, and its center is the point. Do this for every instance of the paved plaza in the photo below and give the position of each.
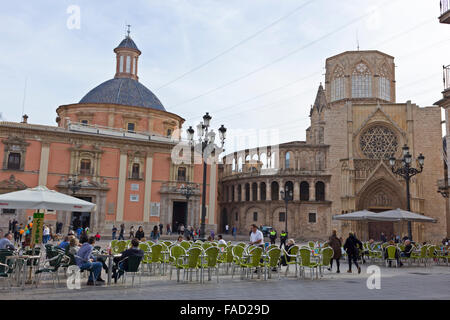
(402, 283)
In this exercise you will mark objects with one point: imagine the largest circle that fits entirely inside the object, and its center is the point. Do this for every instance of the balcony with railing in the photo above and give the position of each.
(445, 11)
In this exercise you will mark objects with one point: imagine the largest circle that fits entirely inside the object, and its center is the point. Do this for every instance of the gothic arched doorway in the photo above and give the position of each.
(378, 196)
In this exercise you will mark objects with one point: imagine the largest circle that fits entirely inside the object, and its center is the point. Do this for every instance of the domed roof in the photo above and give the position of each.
(125, 91)
(128, 43)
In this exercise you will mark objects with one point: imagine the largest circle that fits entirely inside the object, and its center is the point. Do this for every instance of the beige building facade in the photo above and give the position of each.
(356, 126)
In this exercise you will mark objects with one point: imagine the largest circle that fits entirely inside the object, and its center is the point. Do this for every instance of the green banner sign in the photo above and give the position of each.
(38, 223)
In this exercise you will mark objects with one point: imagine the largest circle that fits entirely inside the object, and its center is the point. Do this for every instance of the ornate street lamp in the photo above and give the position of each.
(206, 139)
(286, 196)
(406, 172)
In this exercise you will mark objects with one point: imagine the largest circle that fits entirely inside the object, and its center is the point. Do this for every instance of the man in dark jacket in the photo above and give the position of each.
(121, 263)
(351, 246)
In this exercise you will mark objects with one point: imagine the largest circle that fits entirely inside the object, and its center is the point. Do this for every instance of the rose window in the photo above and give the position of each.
(378, 142)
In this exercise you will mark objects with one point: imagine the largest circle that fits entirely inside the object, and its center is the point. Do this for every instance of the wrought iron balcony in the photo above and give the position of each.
(445, 11)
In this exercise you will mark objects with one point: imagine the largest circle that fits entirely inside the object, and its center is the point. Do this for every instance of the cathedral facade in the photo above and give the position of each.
(343, 166)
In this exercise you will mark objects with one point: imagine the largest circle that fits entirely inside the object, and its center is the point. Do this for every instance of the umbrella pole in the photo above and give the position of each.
(33, 245)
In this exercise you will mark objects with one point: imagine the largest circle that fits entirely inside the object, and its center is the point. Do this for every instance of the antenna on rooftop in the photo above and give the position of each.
(24, 95)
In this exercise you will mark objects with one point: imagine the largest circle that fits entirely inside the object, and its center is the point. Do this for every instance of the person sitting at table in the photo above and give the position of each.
(6, 242)
(86, 261)
(97, 237)
(221, 241)
(121, 263)
(210, 239)
(180, 239)
(407, 251)
(154, 235)
(287, 248)
(65, 243)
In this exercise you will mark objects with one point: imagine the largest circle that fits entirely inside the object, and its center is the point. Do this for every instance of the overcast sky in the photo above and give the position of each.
(264, 58)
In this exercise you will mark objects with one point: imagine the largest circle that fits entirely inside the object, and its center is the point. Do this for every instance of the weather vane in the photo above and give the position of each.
(128, 31)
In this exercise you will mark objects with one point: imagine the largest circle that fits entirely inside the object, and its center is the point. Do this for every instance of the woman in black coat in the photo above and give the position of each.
(351, 246)
(140, 233)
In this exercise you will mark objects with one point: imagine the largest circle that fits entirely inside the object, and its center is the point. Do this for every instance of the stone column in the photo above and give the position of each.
(148, 188)
(121, 186)
(296, 191)
(43, 167)
(258, 191)
(312, 193)
(268, 191)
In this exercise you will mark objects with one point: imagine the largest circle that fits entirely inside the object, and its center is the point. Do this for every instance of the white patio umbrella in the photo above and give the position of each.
(401, 215)
(362, 215)
(42, 198)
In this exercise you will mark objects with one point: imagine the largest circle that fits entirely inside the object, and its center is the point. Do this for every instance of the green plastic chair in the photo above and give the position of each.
(431, 254)
(144, 246)
(422, 256)
(440, 255)
(311, 244)
(271, 247)
(176, 259)
(305, 255)
(121, 246)
(156, 257)
(168, 243)
(327, 255)
(193, 263)
(150, 243)
(242, 244)
(212, 254)
(255, 258)
(237, 252)
(274, 255)
(206, 245)
(391, 254)
(226, 258)
(292, 258)
(185, 244)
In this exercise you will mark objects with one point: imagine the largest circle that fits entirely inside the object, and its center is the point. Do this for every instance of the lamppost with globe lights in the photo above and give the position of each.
(206, 141)
(286, 196)
(406, 172)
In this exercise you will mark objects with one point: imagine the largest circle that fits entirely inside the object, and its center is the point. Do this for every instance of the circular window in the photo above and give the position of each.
(378, 142)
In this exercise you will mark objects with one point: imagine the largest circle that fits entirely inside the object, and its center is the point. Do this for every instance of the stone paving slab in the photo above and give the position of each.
(402, 283)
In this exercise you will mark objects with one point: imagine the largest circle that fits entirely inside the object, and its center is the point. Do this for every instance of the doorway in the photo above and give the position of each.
(81, 219)
(179, 216)
(376, 228)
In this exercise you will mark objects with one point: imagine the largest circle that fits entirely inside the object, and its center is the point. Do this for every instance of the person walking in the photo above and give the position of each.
(272, 236)
(161, 228)
(226, 229)
(122, 231)
(132, 232)
(46, 234)
(335, 243)
(234, 232)
(181, 229)
(168, 229)
(351, 247)
(283, 238)
(114, 230)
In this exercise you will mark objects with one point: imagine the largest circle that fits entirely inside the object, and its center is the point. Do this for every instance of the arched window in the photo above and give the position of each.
(263, 159)
(121, 64)
(85, 166)
(232, 193)
(338, 84)
(14, 161)
(233, 165)
(288, 160)
(128, 65)
(361, 81)
(254, 191)
(135, 172)
(239, 189)
(304, 191)
(240, 164)
(320, 191)
(262, 191)
(247, 192)
(289, 187)
(275, 189)
(181, 174)
(384, 84)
